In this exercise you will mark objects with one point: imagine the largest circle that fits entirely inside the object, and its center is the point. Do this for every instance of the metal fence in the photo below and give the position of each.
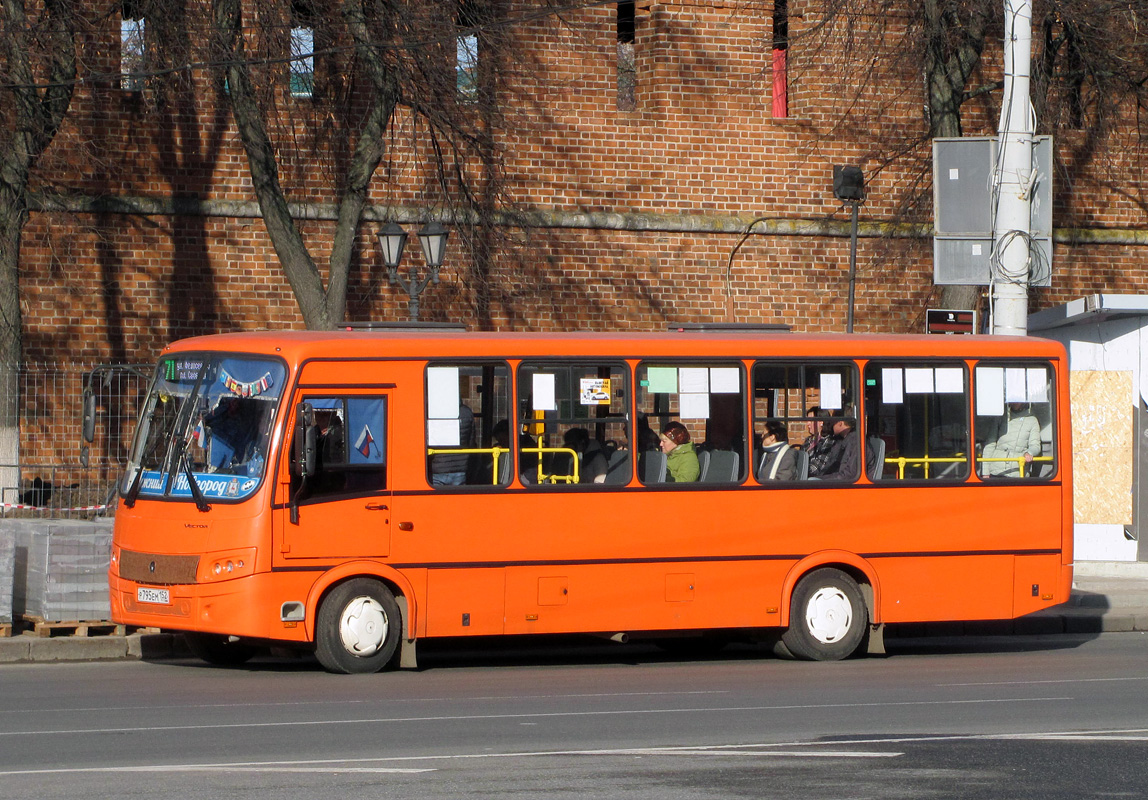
(52, 472)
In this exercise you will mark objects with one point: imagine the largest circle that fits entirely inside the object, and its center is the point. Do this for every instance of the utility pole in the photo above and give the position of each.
(1013, 178)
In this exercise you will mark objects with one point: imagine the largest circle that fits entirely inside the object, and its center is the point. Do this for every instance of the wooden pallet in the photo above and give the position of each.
(45, 629)
(5, 630)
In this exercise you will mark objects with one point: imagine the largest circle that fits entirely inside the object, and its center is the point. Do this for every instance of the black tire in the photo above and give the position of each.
(217, 649)
(828, 617)
(358, 627)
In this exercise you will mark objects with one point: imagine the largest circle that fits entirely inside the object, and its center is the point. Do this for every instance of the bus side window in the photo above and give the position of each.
(801, 402)
(1015, 420)
(918, 413)
(468, 405)
(691, 423)
(351, 448)
(573, 424)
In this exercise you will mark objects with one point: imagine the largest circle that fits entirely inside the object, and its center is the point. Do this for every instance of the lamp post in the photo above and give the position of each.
(392, 240)
(849, 185)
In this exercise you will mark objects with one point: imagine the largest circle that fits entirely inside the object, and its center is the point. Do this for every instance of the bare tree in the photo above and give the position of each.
(399, 56)
(38, 60)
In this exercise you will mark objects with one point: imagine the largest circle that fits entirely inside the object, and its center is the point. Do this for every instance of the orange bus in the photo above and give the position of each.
(358, 491)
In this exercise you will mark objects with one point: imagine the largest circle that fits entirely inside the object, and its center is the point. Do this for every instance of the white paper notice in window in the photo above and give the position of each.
(442, 393)
(990, 391)
(543, 395)
(892, 390)
(950, 380)
(918, 380)
(694, 406)
(1016, 385)
(725, 380)
(831, 391)
(693, 379)
(1037, 385)
(443, 433)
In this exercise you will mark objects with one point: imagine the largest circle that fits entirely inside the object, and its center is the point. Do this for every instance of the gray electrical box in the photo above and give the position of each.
(963, 209)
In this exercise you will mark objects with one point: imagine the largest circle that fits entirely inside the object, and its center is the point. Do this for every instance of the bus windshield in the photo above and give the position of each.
(205, 428)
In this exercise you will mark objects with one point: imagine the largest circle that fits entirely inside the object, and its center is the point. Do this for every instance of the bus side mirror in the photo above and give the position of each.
(305, 441)
(88, 416)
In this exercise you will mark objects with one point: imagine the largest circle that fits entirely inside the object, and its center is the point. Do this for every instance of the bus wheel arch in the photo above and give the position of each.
(358, 627)
(829, 609)
(362, 620)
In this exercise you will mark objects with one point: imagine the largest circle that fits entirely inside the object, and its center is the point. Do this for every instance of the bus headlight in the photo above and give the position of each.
(226, 566)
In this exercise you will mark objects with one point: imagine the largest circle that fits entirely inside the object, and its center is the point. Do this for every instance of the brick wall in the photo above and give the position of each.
(700, 141)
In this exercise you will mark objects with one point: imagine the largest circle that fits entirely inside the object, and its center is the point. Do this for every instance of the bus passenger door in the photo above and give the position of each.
(341, 509)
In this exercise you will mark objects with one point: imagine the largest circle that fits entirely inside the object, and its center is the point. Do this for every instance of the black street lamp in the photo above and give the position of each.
(392, 240)
(849, 185)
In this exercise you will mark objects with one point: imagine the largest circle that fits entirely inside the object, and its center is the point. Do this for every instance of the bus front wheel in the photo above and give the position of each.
(827, 617)
(358, 627)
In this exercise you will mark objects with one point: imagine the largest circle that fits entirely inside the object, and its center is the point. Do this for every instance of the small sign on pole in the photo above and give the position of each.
(946, 320)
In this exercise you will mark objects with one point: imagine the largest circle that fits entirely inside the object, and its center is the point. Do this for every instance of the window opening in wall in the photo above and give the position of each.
(302, 61)
(1015, 429)
(627, 69)
(691, 422)
(466, 52)
(577, 416)
(780, 59)
(132, 48)
(919, 412)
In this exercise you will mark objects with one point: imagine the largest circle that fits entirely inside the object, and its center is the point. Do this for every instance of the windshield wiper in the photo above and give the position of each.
(196, 492)
(134, 490)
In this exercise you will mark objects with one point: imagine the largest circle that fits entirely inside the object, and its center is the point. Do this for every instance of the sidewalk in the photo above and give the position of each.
(1106, 597)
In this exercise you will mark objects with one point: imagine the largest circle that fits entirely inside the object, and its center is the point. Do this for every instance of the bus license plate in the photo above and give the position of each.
(161, 596)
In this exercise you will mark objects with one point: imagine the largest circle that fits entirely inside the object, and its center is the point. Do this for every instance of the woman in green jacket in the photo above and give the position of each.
(681, 458)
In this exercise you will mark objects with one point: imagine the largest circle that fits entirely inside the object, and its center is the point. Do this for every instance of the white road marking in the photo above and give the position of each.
(1063, 680)
(388, 701)
(361, 764)
(816, 749)
(524, 715)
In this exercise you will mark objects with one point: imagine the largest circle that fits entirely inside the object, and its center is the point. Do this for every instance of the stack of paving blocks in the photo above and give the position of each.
(60, 568)
(7, 576)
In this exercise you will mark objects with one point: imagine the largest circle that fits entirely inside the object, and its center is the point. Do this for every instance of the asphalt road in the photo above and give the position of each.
(1026, 717)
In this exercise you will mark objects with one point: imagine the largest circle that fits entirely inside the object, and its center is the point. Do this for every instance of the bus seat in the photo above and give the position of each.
(875, 461)
(653, 464)
(703, 465)
(802, 464)
(618, 468)
(722, 466)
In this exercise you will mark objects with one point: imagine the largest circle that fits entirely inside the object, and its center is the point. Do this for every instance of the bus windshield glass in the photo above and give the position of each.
(205, 428)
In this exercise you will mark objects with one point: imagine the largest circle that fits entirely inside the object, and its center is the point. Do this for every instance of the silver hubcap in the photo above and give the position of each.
(363, 626)
(828, 615)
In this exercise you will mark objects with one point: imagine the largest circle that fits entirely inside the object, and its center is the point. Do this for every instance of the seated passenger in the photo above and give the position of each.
(844, 456)
(592, 462)
(819, 441)
(779, 461)
(681, 459)
(1014, 436)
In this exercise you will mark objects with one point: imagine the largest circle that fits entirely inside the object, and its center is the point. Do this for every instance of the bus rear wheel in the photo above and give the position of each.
(217, 649)
(358, 627)
(827, 617)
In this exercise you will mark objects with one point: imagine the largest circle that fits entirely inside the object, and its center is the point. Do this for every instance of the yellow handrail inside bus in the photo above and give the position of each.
(542, 476)
(497, 452)
(494, 452)
(1020, 462)
(902, 461)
